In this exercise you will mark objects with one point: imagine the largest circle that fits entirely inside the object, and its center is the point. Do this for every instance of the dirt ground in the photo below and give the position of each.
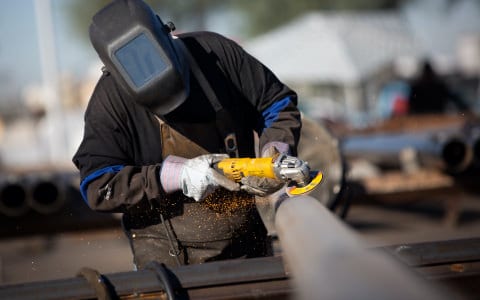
(46, 257)
(420, 221)
(427, 217)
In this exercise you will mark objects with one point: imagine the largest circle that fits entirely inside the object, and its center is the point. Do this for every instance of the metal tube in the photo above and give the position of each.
(437, 253)
(46, 195)
(329, 261)
(13, 199)
(232, 279)
(57, 137)
(261, 278)
(455, 153)
(321, 150)
(449, 151)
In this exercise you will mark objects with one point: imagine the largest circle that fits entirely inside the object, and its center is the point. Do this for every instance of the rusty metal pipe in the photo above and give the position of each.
(329, 261)
(45, 193)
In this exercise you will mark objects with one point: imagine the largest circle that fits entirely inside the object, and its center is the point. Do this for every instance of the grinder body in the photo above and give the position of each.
(287, 168)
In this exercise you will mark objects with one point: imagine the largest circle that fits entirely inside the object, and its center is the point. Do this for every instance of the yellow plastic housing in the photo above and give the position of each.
(295, 191)
(236, 168)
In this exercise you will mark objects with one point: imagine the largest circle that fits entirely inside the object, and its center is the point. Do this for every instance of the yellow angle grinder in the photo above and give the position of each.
(294, 171)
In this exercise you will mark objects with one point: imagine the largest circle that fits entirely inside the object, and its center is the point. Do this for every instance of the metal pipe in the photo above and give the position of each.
(255, 278)
(321, 150)
(57, 135)
(46, 195)
(436, 253)
(329, 261)
(442, 150)
(455, 152)
(232, 279)
(13, 198)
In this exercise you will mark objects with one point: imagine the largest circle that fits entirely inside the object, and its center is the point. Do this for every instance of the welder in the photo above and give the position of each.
(166, 109)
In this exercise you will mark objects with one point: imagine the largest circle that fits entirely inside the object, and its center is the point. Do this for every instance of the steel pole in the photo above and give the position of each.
(57, 136)
(441, 150)
(329, 261)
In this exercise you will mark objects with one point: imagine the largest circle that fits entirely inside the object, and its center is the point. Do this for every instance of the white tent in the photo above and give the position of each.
(338, 48)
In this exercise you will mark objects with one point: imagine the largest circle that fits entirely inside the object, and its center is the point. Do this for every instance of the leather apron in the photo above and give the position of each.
(225, 225)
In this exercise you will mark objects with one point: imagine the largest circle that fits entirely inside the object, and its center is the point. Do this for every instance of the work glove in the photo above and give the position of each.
(261, 186)
(195, 177)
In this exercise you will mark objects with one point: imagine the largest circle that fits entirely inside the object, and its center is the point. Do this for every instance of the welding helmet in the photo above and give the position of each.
(139, 51)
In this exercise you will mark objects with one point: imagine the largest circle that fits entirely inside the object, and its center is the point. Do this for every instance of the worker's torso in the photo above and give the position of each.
(193, 130)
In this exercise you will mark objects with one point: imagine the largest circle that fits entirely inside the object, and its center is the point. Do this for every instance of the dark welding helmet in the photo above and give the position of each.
(139, 51)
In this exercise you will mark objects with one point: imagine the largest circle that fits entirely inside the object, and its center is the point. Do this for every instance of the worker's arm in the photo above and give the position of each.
(120, 160)
(278, 117)
(120, 187)
(195, 177)
(112, 179)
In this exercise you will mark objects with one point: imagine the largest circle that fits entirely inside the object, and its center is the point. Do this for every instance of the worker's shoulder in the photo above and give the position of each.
(202, 35)
(208, 39)
(106, 85)
(107, 93)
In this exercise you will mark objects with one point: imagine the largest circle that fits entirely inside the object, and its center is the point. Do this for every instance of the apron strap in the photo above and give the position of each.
(223, 118)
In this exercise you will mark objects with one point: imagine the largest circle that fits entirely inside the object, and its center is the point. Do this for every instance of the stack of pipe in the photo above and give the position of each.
(322, 258)
(328, 260)
(44, 194)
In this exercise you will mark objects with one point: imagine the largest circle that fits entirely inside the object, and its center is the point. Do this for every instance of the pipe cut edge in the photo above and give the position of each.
(329, 261)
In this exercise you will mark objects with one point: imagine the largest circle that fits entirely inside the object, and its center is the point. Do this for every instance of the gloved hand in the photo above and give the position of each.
(262, 186)
(194, 177)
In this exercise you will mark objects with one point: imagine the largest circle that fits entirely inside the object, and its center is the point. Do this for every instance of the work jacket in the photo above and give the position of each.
(124, 144)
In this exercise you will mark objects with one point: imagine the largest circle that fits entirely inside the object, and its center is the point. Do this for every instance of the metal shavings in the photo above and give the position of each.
(226, 202)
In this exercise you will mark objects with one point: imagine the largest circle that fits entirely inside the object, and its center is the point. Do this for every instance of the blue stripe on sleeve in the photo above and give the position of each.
(86, 181)
(270, 115)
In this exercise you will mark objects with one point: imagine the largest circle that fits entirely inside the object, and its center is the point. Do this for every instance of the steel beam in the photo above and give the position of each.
(250, 278)
(454, 263)
(329, 261)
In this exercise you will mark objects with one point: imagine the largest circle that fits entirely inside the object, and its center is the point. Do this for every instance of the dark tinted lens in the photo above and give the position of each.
(141, 60)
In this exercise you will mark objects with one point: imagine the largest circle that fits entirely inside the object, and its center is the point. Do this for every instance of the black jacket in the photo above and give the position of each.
(120, 155)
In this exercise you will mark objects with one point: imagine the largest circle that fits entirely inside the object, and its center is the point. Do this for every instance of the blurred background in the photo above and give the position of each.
(405, 171)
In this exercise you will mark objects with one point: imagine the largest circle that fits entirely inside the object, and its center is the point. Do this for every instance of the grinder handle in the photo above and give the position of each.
(237, 168)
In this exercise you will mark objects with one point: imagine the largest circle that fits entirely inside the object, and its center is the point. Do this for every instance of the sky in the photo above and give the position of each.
(19, 55)
(20, 67)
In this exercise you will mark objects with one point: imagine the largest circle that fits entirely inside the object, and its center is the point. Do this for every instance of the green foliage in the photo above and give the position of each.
(260, 15)
(192, 12)
(81, 13)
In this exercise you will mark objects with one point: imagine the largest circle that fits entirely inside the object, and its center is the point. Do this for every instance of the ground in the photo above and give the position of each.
(390, 209)
(38, 258)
